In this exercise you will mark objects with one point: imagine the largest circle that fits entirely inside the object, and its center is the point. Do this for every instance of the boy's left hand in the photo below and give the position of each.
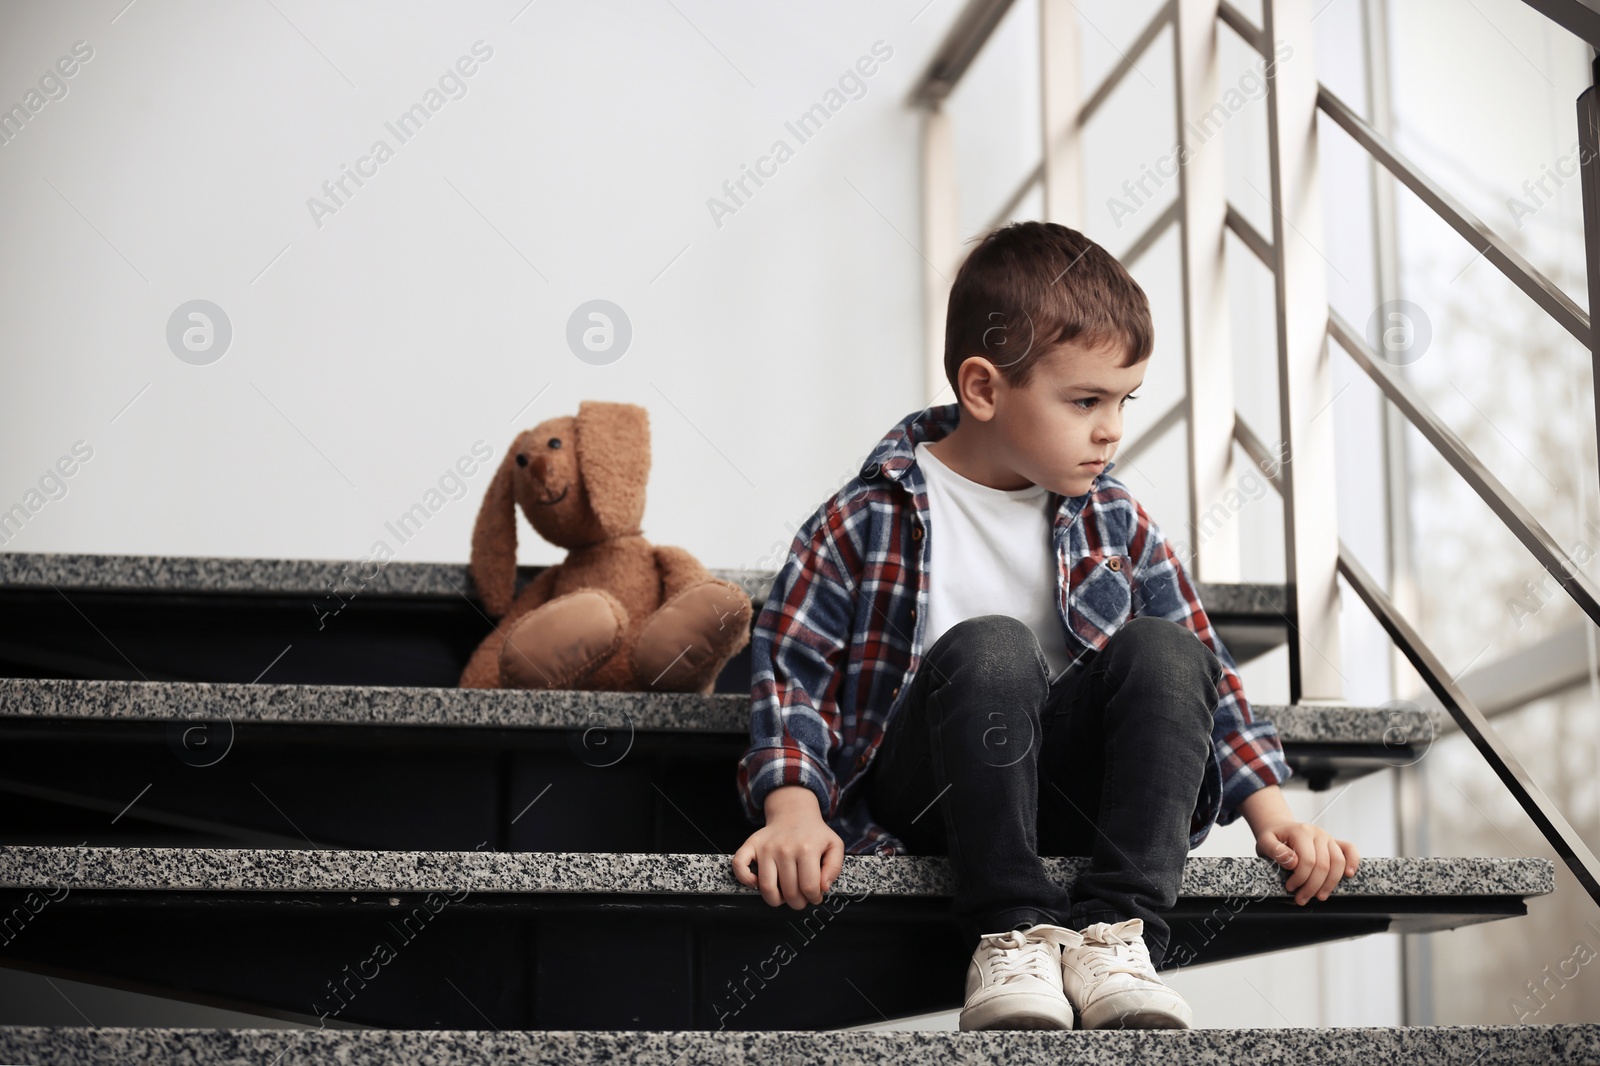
(1317, 859)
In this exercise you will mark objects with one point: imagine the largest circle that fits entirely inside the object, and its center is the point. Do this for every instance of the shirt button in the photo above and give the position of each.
(916, 531)
(1115, 562)
(862, 761)
(895, 693)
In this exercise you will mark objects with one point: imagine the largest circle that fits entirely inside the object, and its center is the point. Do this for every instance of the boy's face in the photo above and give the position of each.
(1050, 431)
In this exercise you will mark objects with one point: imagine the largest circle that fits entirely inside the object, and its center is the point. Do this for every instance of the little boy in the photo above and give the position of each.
(983, 646)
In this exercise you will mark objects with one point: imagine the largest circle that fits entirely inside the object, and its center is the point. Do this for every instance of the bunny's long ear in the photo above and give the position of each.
(614, 460)
(494, 542)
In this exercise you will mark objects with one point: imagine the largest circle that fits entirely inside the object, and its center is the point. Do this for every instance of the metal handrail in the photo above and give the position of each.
(1544, 292)
(1562, 837)
(1581, 17)
(1506, 507)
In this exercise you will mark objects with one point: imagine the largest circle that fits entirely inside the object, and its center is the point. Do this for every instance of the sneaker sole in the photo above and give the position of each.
(1141, 1013)
(1021, 1010)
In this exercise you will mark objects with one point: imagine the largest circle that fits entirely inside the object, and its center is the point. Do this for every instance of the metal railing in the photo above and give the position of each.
(1305, 320)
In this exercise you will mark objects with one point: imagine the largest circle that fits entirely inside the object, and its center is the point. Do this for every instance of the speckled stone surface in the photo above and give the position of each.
(373, 705)
(314, 576)
(254, 870)
(717, 713)
(1445, 1045)
(270, 576)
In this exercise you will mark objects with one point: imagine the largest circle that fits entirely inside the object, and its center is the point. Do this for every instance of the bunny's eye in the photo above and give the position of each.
(522, 460)
(555, 442)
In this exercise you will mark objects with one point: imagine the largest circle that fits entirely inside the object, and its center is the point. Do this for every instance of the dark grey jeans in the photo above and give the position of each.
(990, 763)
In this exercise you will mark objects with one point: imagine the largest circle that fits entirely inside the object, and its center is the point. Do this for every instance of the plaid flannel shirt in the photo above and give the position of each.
(840, 636)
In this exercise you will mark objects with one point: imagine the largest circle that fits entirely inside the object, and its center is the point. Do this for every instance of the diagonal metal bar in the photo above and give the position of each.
(1035, 176)
(1150, 235)
(961, 45)
(1140, 46)
(1544, 292)
(1581, 17)
(1561, 836)
(1258, 452)
(1251, 237)
(1517, 518)
(1175, 414)
(1234, 18)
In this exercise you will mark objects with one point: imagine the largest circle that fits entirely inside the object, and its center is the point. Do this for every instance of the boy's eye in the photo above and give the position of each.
(1092, 400)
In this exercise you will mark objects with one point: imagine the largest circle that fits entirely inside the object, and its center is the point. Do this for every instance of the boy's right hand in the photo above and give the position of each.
(797, 856)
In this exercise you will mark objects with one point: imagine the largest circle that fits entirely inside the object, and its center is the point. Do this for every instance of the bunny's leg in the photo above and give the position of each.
(483, 669)
(687, 642)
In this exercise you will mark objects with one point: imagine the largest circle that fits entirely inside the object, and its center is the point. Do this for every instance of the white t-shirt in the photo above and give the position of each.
(992, 553)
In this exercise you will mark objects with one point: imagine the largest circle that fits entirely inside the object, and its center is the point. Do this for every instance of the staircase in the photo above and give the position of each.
(226, 782)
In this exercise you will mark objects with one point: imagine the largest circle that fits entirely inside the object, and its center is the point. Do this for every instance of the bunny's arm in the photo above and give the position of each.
(679, 570)
(535, 594)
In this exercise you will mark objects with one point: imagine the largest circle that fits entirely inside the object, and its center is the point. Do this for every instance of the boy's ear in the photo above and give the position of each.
(975, 381)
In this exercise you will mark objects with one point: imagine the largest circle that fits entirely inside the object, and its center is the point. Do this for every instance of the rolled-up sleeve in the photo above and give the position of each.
(798, 652)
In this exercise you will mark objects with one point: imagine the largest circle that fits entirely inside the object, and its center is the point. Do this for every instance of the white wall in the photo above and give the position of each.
(371, 351)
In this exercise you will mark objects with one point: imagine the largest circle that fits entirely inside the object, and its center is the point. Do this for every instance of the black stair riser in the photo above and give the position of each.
(373, 640)
(186, 783)
(626, 961)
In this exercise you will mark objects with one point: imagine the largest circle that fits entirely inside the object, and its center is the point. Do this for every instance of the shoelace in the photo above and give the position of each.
(1115, 949)
(1027, 952)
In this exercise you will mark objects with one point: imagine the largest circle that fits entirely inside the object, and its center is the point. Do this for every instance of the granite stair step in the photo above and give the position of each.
(231, 764)
(379, 938)
(359, 622)
(1431, 1045)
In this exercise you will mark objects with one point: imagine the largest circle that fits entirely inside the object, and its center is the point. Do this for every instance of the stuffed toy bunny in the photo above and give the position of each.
(618, 614)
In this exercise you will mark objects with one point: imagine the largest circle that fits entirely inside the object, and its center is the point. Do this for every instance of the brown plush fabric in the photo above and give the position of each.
(618, 614)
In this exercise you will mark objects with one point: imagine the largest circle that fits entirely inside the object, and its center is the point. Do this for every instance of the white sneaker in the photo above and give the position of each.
(1014, 980)
(1108, 977)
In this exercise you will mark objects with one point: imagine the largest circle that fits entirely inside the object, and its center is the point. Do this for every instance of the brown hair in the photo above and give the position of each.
(1028, 288)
